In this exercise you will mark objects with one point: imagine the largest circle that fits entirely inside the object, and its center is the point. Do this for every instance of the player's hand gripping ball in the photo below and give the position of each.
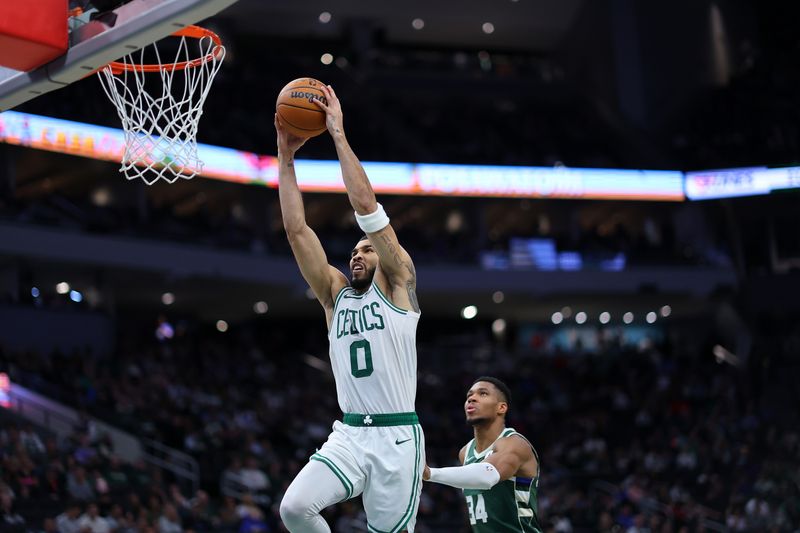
(296, 111)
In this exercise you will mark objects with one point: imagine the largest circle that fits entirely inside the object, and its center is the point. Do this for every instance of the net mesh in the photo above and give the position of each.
(160, 106)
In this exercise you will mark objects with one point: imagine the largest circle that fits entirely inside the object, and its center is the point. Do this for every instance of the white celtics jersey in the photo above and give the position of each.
(373, 353)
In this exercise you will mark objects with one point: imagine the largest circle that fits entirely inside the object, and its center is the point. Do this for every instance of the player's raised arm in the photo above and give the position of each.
(323, 279)
(395, 262)
(508, 456)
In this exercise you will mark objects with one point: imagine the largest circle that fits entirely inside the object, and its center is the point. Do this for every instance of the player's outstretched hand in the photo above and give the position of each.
(288, 143)
(334, 118)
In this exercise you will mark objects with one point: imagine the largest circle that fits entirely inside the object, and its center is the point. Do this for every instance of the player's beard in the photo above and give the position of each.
(361, 284)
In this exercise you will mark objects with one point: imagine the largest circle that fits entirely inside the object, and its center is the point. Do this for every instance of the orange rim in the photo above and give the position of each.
(195, 32)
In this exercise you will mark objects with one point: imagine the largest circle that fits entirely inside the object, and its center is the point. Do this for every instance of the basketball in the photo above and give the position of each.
(297, 113)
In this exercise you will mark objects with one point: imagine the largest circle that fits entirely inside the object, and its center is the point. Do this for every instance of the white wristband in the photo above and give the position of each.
(479, 476)
(374, 221)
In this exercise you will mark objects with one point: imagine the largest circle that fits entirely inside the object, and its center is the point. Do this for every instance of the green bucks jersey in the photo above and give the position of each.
(510, 506)
(373, 353)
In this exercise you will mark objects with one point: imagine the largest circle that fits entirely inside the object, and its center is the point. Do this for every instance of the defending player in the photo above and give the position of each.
(500, 472)
(377, 448)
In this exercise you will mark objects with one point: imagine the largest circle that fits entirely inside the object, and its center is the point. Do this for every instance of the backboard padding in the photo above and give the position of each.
(137, 24)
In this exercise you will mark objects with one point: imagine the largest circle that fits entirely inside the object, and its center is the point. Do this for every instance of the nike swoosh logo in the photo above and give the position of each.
(398, 441)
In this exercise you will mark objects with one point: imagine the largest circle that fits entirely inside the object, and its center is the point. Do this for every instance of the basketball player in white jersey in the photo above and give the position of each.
(377, 448)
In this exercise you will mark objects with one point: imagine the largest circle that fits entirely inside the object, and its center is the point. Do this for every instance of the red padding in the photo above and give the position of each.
(32, 32)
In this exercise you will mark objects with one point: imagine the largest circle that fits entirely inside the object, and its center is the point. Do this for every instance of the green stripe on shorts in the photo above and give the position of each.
(409, 512)
(348, 485)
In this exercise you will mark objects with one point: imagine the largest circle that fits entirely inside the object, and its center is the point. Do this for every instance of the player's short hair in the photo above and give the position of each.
(362, 238)
(499, 385)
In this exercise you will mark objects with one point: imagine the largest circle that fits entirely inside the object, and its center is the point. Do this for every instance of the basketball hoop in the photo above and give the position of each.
(160, 123)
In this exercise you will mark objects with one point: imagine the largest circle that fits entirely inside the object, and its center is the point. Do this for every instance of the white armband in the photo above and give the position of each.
(479, 476)
(374, 221)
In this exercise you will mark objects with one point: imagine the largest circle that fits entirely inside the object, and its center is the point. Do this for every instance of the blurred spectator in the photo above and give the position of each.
(200, 516)
(69, 520)
(78, 486)
(53, 485)
(8, 515)
(252, 477)
(48, 526)
(169, 521)
(116, 519)
(229, 516)
(92, 521)
(31, 441)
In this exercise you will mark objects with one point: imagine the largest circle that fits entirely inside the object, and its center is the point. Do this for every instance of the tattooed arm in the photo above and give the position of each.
(395, 263)
(398, 267)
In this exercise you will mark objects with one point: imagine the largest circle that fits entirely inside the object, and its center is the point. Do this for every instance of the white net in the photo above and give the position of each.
(160, 107)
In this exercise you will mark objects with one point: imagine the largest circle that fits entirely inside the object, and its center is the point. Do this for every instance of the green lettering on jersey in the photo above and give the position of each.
(353, 322)
(339, 323)
(372, 307)
(362, 316)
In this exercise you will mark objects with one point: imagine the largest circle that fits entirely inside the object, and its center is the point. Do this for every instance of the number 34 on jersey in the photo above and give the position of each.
(476, 506)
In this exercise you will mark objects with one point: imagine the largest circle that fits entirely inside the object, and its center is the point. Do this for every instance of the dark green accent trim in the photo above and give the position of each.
(535, 453)
(381, 420)
(390, 304)
(339, 297)
(356, 296)
(348, 485)
(414, 491)
(368, 368)
(410, 508)
(507, 432)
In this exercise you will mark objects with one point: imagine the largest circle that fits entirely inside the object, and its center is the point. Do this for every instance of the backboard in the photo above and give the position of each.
(95, 43)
